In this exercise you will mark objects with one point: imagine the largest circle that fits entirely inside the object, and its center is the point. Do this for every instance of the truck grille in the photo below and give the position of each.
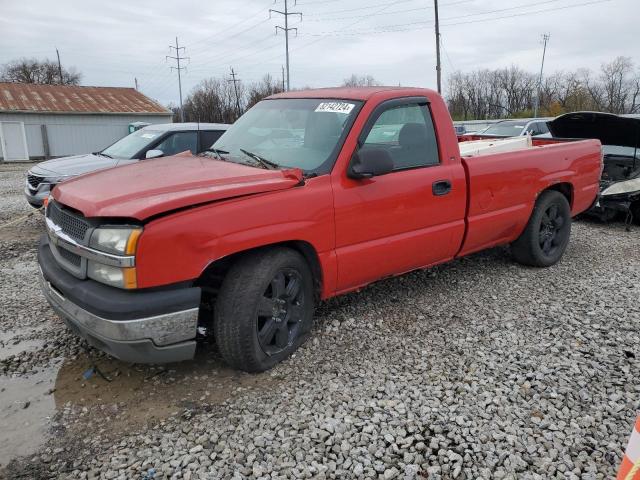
(71, 224)
(34, 181)
(73, 258)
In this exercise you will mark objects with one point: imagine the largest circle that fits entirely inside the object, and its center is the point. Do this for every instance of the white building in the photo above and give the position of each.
(46, 121)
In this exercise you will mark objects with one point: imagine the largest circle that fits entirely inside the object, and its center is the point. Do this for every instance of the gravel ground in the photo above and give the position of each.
(480, 368)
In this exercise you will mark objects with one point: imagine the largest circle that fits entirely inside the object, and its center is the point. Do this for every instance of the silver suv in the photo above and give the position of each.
(152, 141)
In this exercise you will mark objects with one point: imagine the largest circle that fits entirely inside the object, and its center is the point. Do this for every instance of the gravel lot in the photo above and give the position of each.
(476, 369)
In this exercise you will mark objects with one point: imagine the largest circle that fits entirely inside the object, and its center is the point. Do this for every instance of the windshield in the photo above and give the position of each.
(128, 146)
(290, 132)
(509, 129)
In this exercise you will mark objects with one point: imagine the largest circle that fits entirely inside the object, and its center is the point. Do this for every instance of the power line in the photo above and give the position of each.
(427, 24)
(286, 14)
(356, 9)
(177, 58)
(218, 33)
(527, 13)
(545, 39)
(323, 16)
(235, 87)
(59, 67)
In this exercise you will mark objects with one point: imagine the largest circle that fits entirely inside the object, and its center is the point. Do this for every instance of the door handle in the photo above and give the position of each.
(441, 187)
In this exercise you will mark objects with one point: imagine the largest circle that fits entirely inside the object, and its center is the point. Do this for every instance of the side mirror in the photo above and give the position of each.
(370, 163)
(154, 154)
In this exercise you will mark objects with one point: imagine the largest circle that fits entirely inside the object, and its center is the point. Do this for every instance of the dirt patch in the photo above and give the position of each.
(123, 397)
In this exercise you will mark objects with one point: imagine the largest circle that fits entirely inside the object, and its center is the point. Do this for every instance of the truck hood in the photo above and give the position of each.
(610, 129)
(75, 165)
(149, 188)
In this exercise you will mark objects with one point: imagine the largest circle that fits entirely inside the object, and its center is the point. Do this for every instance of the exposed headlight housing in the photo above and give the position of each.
(115, 276)
(116, 240)
(620, 188)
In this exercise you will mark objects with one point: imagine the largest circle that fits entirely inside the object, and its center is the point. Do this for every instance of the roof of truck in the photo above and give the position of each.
(350, 93)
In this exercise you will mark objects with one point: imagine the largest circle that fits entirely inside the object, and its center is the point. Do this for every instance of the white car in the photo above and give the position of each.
(514, 128)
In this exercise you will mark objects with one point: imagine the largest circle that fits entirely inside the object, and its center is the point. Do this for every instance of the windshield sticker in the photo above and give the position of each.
(148, 135)
(335, 107)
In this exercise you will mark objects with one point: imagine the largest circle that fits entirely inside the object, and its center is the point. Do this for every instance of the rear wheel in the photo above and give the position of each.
(264, 309)
(546, 236)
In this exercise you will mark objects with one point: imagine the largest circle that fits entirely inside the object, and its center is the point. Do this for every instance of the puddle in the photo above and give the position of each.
(119, 399)
(26, 408)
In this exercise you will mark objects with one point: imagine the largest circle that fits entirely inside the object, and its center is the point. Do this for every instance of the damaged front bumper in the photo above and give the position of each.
(137, 326)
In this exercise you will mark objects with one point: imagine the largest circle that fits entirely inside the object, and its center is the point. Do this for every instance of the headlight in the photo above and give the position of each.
(119, 241)
(628, 186)
(114, 276)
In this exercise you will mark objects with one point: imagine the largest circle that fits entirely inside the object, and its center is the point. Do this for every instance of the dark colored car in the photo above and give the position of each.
(620, 138)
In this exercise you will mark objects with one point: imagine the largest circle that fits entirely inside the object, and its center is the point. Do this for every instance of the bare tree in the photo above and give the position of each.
(31, 70)
(262, 89)
(360, 81)
(212, 100)
(509, 92)
(617, 84)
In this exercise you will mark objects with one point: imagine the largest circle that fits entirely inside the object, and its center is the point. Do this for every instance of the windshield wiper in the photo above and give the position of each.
(217, 151)
(268, 164)
(103, 154)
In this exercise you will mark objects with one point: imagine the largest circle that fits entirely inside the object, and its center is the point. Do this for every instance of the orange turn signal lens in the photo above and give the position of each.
(129, 278)
(132, 243)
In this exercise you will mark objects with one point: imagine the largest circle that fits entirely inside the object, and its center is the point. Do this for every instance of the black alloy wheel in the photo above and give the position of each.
(280, 312)
(551, 230)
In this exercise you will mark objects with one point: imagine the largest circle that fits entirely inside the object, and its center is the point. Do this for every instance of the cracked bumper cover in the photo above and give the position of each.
(133, 326)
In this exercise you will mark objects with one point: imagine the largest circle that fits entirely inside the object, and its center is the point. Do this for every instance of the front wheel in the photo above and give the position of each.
(264, 309)
(546, 236)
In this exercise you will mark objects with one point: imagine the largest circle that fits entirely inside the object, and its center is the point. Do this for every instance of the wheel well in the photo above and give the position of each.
(565, 189)
(211, 278)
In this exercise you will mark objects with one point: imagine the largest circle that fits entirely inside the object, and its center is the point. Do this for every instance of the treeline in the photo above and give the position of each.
(511, 92)
(216, 100)
(219, 100)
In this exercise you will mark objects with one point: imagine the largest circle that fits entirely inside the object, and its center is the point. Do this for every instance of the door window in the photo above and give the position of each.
(407, 133)
(179, 142)
(208, 138)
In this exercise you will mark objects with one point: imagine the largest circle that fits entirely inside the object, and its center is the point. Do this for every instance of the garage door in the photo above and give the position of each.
(13, 141)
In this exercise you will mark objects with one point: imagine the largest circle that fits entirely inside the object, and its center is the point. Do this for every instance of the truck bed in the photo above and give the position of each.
(500, 186)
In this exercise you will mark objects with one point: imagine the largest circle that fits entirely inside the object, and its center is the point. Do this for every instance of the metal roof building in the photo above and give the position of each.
(45, 121)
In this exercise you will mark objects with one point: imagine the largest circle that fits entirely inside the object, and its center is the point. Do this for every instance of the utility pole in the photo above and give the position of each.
(235, 87)
(59, 68)
(283, 78)
(438, 70)
(177, 58)
(545, 39)
(286, 30)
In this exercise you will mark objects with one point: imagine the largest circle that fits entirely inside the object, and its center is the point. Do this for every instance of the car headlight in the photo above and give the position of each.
(116, 240)
(114, 276)
(628, 186)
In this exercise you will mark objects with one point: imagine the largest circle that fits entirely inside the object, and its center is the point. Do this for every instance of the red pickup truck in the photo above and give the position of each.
(308, 195)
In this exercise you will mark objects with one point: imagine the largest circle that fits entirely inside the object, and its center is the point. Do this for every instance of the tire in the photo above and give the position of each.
(546, 236)
(264, 309)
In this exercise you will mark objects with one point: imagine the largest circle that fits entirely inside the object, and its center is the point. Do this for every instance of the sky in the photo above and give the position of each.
(113, 43)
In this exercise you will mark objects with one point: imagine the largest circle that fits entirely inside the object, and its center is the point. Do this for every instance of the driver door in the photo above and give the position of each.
(410, 218)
